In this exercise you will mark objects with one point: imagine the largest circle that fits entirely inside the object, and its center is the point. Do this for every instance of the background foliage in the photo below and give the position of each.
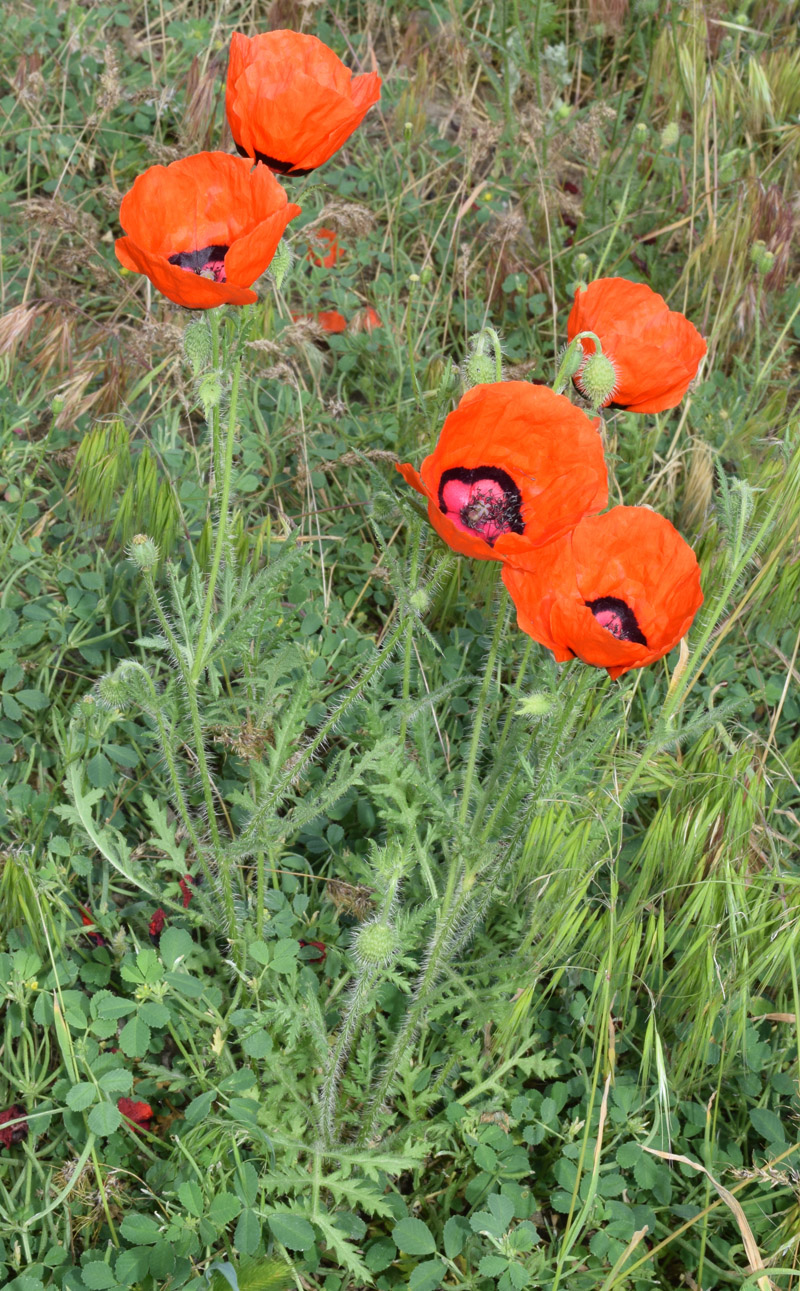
(631, 986)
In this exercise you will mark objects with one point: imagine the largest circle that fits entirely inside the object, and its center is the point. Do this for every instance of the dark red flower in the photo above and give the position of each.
(87, 919)
(156, 926)
(515, 467)
(324, 249)
(618, 592)
(291, 102)
(321, 947)
(204, 228)
(11, 1134)
(655, 351)
(138, 1115)
(186, 884)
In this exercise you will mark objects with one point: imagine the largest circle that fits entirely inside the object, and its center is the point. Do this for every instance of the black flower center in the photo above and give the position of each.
(482, 499)
(208, 262)
(282, 167)
(617, 618)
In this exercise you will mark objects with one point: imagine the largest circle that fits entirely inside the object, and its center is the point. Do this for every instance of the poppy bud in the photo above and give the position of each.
(143, 552)
(762, 258)
(375, 944)
(641, 132)
(479, 369)
(209, 392)
(670, 135)
(281, 263)
(129, 684)
(536, 705)
(419, 600)
(197, 345)
(597, 379)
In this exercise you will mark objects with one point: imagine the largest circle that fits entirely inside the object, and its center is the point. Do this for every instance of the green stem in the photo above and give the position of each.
(478, 723)
(409, 641)
(221, 538)
(441, 943)
(293, 773)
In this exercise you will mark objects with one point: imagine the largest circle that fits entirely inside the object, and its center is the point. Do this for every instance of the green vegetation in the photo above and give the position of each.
(472, 969)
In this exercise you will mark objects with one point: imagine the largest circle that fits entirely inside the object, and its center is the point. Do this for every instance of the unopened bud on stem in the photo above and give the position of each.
(597, 379)
(143, 551)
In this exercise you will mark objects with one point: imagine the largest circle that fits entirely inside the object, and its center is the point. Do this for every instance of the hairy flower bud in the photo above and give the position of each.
(479, 369)
(536, 705)
(597, 379)
(127, 686)
(197, 344)
(670, 135)
(375, 944)
(281, 263)
(143, 551)
(209, 392)
(762, 258)
(641, 132)
(420, 600)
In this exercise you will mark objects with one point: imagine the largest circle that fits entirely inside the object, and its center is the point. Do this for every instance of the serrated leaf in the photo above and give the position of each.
(491, 1266)
(191, 1198)
(292, 1231)
(104, 1119)
(414, 1237)
(247, 1235)
(140, 1230)
(97, 1275)
(135, 1038)
(81, 1096)
(116, 1081)
(427, 1276)
(224, 1207)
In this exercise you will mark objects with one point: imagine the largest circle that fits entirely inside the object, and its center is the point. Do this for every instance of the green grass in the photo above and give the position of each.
(595, 897)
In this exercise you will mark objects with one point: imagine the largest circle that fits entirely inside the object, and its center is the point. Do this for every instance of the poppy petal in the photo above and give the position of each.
(187, 289)
(619, 592)
(291, 100)
(656, 351)
(546, 452)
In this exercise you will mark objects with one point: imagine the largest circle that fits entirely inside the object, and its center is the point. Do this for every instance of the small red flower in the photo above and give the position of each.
(321, 947)
(655, 351)
(156, 926)
(204, 228)
(291, 102)
(138, 1115)
(186, 884)
(366, 320)
(324, 249)
(515, 467)
(618, 592)
(87, 919)
(329, 319)
(13, 1133)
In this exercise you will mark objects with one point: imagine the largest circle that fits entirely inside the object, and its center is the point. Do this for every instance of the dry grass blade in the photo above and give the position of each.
(753, 1253)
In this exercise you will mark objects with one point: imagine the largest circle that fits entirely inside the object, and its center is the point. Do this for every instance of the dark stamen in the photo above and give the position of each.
(282, 167)
(617, 618)
(208, 262)
(489, 502)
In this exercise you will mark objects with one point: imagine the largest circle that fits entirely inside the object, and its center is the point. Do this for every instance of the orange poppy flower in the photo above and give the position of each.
(329, 319)
(515, 467)
(618, 592)
(291, 102)
(323, 238)
(654, 350)
(204, 228)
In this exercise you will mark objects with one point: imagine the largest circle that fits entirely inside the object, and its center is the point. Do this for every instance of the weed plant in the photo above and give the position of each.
(433, 962)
